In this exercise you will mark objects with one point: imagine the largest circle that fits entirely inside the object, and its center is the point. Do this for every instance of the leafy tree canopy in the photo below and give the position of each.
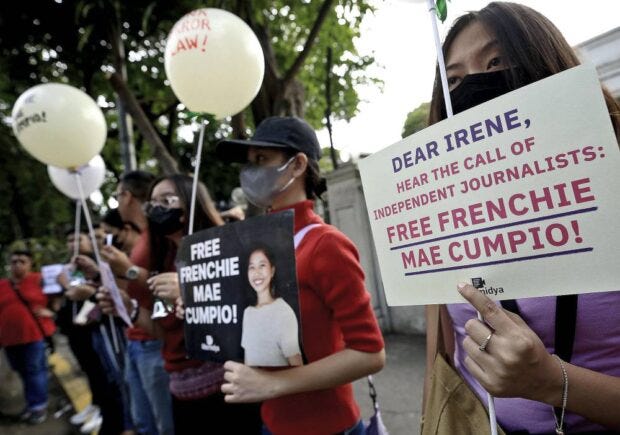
(416, 120)
(82, 42)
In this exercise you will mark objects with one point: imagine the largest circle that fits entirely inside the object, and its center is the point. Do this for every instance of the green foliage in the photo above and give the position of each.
(45, 250)
(326, 164)
(290, 23)
(416, 119)
(72, 42)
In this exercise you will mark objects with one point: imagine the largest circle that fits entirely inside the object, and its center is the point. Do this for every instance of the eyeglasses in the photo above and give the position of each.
(168, 201)
(117, 195)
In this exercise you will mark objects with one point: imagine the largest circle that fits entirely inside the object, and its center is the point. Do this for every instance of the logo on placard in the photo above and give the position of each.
(209, 346)
(478, 282)
(480, 285)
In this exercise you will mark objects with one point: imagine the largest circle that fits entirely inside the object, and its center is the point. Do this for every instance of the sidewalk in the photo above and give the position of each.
(67, 389)
(398, 385)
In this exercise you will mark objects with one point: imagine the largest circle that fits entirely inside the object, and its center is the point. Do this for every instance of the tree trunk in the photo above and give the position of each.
(283, 94)
(166, 162)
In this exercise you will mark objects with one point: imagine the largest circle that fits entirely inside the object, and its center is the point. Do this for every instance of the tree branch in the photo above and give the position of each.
(316, 27)
(237, 123)
(167, 163)
(154, 116)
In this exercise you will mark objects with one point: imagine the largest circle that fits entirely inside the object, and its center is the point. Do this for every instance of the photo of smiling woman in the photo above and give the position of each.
(270, 329)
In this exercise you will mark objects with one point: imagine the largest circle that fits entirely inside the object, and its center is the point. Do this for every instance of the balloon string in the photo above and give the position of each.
(76, 229)
(93, 240)
(448, 103)
(89, 222)
(196, 173)
(490, 402)
(440, 59)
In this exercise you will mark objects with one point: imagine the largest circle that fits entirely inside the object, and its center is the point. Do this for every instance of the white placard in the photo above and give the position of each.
(521, 191)
(109, 282)
(50, 274)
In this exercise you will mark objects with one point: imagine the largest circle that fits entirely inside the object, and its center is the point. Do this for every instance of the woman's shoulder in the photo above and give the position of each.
(327, 237)
(281, 304)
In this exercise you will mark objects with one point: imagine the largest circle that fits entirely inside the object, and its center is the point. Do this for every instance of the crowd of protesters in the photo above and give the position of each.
(141, 377)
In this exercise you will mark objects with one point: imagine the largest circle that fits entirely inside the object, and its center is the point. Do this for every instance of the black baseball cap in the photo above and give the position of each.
(274, 132)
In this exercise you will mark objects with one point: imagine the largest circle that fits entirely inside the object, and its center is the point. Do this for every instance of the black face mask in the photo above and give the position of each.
(116, 243)
(479, 88)
(165, 221)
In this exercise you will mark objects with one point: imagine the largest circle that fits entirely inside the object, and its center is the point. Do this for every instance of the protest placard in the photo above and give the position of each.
(239, 286)
(50, 274)
(521, 191)
(109, 282)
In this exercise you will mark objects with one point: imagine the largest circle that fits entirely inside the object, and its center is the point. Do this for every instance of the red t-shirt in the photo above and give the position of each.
(140, 257)
(17, 324)
(173, 346)
(335, 314)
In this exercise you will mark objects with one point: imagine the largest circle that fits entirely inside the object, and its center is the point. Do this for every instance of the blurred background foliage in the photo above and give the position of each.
(82, 42)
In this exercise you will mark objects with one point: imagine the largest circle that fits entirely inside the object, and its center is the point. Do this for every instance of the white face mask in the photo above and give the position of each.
(260, 183)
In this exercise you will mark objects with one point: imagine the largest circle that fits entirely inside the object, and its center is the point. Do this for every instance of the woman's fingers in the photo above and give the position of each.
(477, 371)
(478, 331)
(179, 308)
(165, 285)
(494, 315)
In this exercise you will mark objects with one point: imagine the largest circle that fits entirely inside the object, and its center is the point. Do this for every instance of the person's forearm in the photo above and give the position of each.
(143, 275)
(334, 370)
(593, 395)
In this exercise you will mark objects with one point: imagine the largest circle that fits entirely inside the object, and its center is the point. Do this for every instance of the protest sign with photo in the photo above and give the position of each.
(520, 192)
(239, 286)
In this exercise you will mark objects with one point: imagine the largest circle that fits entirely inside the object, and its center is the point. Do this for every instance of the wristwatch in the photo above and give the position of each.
(132, 273)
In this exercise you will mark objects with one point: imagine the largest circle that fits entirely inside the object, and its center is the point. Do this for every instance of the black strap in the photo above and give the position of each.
(48, 340)
(565, 325)
(511, 305)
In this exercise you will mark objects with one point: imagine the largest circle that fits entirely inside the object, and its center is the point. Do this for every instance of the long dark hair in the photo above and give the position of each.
(314, 184)
(529, 41)
(251, 293)
(163, 250)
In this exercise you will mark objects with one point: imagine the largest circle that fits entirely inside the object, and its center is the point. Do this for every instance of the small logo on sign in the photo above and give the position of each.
(209, 346)
(478, 282)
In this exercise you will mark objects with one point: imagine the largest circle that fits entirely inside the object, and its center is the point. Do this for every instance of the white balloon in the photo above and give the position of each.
(91, 176)
(59, 125)
(214, 62)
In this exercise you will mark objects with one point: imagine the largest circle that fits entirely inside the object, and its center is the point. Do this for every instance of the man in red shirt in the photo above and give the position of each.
(25, 321)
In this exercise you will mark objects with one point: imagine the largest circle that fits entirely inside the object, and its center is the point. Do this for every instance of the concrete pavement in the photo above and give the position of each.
(398, 385)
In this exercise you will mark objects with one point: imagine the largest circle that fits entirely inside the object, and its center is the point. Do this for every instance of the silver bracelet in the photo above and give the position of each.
(559, 426)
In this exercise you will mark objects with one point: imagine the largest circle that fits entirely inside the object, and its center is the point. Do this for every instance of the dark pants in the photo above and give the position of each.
(212, 413)
(358, 429)
(106, 394)
(30, 362)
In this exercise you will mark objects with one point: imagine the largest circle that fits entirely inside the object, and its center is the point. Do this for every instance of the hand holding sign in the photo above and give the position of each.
(245, 384)
(165, 286)
(515, 362)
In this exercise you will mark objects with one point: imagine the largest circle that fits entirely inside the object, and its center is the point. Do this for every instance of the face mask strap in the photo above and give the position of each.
(284, 166)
